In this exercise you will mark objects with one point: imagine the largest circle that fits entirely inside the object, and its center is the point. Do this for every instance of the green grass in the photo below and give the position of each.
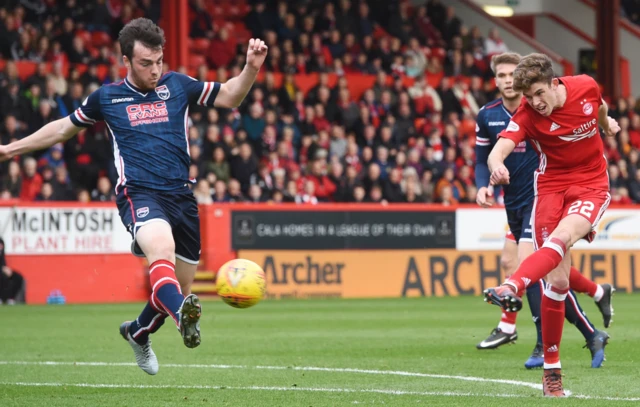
(432, 336)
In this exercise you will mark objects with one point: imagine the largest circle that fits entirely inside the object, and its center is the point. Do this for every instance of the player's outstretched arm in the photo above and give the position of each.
(608, 124)
(57, 131)
(233, 92)
(501, 150)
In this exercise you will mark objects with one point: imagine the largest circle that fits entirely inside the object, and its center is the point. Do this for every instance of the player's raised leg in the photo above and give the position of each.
(156, 241)
(505, 332)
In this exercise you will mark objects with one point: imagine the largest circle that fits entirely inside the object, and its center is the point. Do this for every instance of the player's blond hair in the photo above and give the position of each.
(533, 68)
(504, 58)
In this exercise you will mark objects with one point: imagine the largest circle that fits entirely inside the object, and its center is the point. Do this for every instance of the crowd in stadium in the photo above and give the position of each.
(409, 138)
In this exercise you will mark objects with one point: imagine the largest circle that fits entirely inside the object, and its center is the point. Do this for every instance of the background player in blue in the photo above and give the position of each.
(518, 200)
(146, 116)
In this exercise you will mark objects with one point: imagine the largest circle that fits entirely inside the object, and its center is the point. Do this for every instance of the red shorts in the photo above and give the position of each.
(550, 209)
(510, 236)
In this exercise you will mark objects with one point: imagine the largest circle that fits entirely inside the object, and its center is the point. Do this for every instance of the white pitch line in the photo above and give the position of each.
(297, 368)
(303, 389)
(261, 388)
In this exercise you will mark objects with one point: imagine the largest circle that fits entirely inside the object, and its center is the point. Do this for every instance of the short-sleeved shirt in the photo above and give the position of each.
(149, 130)
(568, 141)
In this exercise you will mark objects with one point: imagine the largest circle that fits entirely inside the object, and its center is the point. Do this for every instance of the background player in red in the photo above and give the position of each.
(560, 116)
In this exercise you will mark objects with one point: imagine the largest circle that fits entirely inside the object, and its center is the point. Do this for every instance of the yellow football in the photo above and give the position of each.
(241, 283)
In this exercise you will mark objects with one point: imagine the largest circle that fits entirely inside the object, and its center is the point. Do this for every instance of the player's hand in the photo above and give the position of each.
(256, 53)
(4, 153)
(499, 176)
(484, 197)
(613, 129)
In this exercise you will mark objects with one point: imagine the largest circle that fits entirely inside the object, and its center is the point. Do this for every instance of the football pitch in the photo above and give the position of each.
(392, 352)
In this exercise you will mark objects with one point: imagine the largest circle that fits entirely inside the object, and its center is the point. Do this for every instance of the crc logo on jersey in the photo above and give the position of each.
(513, 126)
(148, 113)
(163, 92)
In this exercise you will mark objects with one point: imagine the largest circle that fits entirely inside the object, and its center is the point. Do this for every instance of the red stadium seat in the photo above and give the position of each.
(196, 60)
(199, 45)
(81, 68)
(103, 71)
(100, 38)
(25, 69)
(86, 37)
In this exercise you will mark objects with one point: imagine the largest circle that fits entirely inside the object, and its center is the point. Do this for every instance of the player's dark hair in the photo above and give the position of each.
(505, 58)
(142, 30)
(533, 68)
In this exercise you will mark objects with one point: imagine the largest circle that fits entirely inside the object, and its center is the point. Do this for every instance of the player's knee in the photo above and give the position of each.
(163, 250)
(561, 282)
(564, 236)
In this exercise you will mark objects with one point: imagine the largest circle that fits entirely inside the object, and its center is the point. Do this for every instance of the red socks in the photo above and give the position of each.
(166, 294)
(552, 315)
(508, 322)
(581, 284)
(538, 265)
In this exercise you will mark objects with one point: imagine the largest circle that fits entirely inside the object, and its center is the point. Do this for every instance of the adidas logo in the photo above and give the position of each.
(554, 127)
(526, 281)
(554, 348)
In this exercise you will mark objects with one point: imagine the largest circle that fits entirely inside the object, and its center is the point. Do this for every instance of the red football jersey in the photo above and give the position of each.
(568, 141)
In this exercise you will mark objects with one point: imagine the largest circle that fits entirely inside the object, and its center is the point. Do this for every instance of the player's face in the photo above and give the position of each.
(504, 81)
(145, 68)
(541, 97)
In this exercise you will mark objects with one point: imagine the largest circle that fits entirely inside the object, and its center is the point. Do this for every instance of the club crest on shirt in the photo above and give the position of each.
(587, 108)
(163, 92)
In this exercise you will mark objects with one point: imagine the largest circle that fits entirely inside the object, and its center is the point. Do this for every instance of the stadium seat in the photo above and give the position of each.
(86, 37)
(196, 60)
(25, 69)
(103, 71)
(199, 45)
(100, 38)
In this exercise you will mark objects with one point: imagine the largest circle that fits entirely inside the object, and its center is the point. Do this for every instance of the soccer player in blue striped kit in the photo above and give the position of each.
(518, 199)
(146, 116)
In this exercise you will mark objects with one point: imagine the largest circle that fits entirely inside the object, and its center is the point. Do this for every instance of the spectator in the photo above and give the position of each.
(12, 181)
(31, 182)
(104, 191)
(307, 196)
(494, 44)
(222, 49)
(234, 191)
(46, 193)
(12, 283)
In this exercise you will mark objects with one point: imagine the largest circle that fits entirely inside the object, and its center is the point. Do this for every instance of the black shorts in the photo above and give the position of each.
(179, 209)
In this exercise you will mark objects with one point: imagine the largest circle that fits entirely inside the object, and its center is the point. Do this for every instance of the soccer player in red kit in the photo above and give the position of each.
(560, 117)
